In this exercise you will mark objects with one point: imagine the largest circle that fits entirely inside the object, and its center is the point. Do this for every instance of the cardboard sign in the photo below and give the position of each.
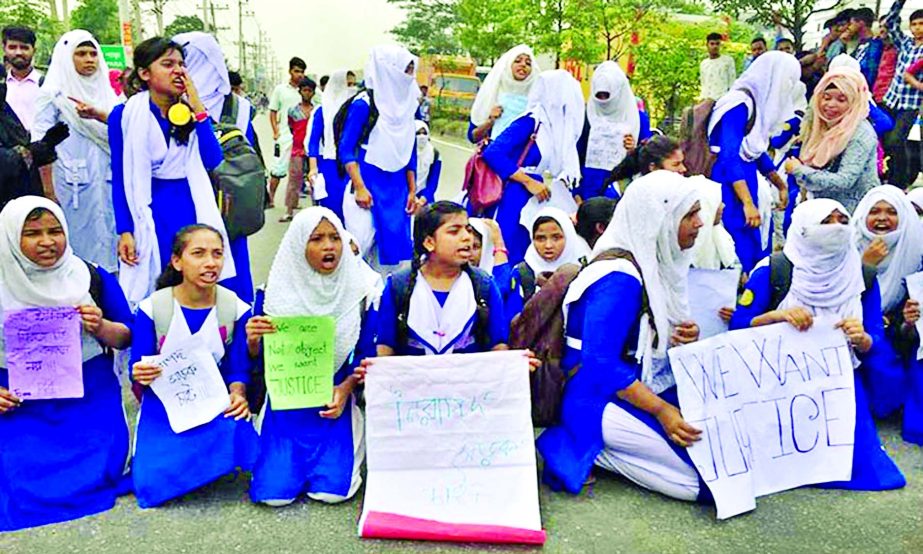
(299, 362)
(44, 354)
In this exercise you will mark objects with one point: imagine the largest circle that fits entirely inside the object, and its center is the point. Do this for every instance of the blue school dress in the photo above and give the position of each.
(335, 181)
(303, 453)
(598, 329)
(872, 469)
(168, 465)
(66, 459)
(730, 168)
(388, 188)
(497, 329)
(432, 181)
(502, 155)
(171, 199)
(593, 179)
(791, 130)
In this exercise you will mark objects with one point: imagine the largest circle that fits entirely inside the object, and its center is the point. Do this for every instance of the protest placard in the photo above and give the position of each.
(709, 291)
(44, 354)
(190, 388)
(776, 408)
(299, 362)
(915, 292)
(450, 450)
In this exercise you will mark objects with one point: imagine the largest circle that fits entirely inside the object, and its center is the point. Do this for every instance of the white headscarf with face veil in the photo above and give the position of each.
(646, 223)
(396, 95)
(294, 288)
(618, 112)
(336, 93)
(556, 103)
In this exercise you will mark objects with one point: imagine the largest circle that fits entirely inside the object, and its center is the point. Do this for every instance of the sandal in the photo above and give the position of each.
(286, 219)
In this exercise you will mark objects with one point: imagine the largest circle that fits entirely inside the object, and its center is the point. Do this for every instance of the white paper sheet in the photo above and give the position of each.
(776, 407)
(561, 198)
(358, 221)
(709, 291)
(450, 439)
(320, 187)
(190, 387)
(606, 145)
(915, 292)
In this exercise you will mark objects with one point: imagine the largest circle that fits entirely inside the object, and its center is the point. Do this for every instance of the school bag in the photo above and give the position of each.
(780, 278)
(96, 284)
(240, 180)
(540, 328)
(402, 286)
(339, 124)
(162, 306)
(482, 185)
(693, 133)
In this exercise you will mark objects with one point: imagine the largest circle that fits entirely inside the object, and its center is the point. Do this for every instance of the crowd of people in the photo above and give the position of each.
(110, 205)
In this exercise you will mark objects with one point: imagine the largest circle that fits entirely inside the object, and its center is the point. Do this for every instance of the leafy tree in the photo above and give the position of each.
(100, 17)
(791, 15)
(429, 26)
(488, 28)
(35, 15)
(184, 24)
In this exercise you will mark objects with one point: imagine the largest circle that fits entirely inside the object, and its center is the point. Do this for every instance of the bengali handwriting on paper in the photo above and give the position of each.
(44, 354)
(190, 386)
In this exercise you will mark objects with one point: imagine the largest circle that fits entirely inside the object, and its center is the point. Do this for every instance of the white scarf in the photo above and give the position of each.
(769, 80)
(25, 284)
(556, 102)
(646, 223)
(827, 269)
(148, 155)
(500, 81)
(905, 244)
(62, 82)
(426, 155)
(574, 248)
(487, 244)
(207, 68)
(714, 247)
(439, 329)
(619, 112)
(396, 95)
(294, 288)
(916, 197)
(335, 95)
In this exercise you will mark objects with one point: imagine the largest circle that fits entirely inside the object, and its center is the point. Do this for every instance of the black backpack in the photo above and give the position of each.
(240, 180)
(402, 283)
(780, 278)
(339, 123)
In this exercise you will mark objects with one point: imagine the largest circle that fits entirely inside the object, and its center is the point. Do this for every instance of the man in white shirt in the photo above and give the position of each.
(716, 72)
(22, 80)
(284, 98)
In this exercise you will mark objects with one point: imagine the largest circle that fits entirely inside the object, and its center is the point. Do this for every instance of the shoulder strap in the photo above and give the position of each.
(751, 121)
(162, 312)
(526, 280)
(621, 254)
(400, 290)
(525, 151)
(229, 110)
(481, 282)
(780, 278)
(96, 284)
(226, 306)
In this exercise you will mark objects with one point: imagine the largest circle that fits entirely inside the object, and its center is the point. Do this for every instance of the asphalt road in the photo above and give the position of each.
(615, 517)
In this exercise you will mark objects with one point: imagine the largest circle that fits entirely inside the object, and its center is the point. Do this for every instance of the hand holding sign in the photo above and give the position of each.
(44, 354)
(299, 362)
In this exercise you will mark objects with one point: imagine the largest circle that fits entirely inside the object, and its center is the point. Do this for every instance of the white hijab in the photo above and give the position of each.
(905, 244)
(827, 269)
(844, 61)
(294, 288)
(396, 94)
(426, 155)
(916, 197)
(714, 247)
(148, 155)
(769, 80)
(646, 223)
(574, 248)
(499, 81)
(487, 244)
(336, 93)
(556, 102)
(207, 68)
(620, 110)
(63, 81)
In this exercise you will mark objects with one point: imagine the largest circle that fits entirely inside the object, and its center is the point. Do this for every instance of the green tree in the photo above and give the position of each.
(429, 26)
(791, 15)
(184, 24)
(100, 17)
(35, 15)
(488, 28)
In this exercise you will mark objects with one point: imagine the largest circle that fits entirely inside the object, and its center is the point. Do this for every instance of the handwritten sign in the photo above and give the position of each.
(915, 292)
(44, 355)
(190, 388)
(451, 453)
(776, 407)
(709, 291)
(299, 362)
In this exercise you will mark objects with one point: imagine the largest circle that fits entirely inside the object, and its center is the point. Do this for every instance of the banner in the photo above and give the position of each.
(450, 450)
(776, 407)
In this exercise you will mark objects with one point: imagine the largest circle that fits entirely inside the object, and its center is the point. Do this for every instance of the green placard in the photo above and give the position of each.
(114, 54)
(299, 362)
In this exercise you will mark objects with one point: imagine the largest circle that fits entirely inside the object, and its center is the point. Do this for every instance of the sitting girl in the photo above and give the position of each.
(488, 251)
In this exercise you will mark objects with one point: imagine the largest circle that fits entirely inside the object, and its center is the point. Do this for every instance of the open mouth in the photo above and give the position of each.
(179, 83)
(882, 228)
(329, 258)
(465, 251)
(210, 276)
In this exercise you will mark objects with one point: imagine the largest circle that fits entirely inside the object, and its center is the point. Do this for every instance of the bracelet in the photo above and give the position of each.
(201, 116)
(501, 251)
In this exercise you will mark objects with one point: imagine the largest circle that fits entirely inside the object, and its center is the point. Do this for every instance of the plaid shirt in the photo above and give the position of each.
(900, 95)
(868, 54)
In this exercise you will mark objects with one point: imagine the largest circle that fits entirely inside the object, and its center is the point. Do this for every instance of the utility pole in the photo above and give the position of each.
(241, 44)
(205, 14)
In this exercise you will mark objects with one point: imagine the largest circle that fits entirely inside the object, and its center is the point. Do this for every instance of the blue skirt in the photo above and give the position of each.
(913, 405)
(392, 223)
(507, 213)
(168, 465)
(64, 459)
(336, 186)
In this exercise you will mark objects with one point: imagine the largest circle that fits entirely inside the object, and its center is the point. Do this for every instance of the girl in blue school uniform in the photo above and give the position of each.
(612, 130)
(163, 146)
(543, 140)
(429, 166)
(189, 304)
(739, 130)
(620, 410)
(555, 243)
(63, 459)
(441, 304)
(378, 149)
(315, 451)
(504, 94)
(787, 142)
(489, 253)
(322, 147)
(820, 273)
